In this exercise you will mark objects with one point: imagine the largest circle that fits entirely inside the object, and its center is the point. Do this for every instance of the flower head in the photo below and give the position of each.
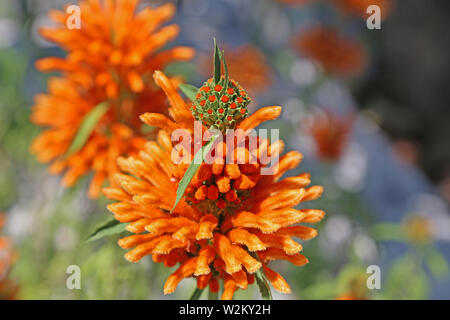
(330, 133)
(110, 59)
(336, 53)
(231, 221)
(8, 288)
(220, 104)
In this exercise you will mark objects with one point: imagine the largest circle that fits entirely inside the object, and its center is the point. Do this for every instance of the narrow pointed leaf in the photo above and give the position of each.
(111, 227)
(87, 126)
(192, 169)
(217, 66)
(263, 284)
(189, 90)
(225, 69)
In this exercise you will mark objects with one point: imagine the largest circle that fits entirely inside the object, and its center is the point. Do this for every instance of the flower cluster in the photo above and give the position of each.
(231, 222)
(110, 59)
(221, 104)
(336, 53)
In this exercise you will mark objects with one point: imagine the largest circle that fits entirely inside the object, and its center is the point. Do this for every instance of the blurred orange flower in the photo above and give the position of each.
(8, 288)
(418, 229)
(232, 220)
(247, 65)
(330, 133)
(359, 7)
(110, 59)
(336, 53)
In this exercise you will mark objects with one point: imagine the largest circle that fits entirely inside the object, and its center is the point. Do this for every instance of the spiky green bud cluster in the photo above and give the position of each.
(221, 104)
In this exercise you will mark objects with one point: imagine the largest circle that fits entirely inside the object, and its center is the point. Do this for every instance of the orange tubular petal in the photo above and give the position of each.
(180, 113)
(251, 264)
(160, 121)
(225, 250)
(186, 233)
(184, 271)
(302, 232)
(139, 225)
(313, 193)
(229, 287)
(126, 217)
(242, 236)
(134, 240)
(312, 215)
(263, 114)
(281, 241)
(207, 224)
(287, 162)
(165, 246)
(214, 285)
(283, 217)
(116, 194)
(168, 225)
(205, 257)
(284, 199)
(246, 219)
(278, 254)
(240, 279)
(143, 249)
(277, 280)
(290, 183)
(203, 280)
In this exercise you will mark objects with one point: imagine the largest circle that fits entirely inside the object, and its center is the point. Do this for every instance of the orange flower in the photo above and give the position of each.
(330, 134)
(247, 65)
(334, 52)
(8, 288)
(359, 7)
(110, 59)
(231, 221)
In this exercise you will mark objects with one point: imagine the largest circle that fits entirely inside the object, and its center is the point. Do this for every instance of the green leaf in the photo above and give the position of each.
(87, 126)
(226, 69)
(189, 90)
(388, 232)
(263, 284)
(109, 228)
(192, 169)
(437, 263)
(196, 294)
(217, 66)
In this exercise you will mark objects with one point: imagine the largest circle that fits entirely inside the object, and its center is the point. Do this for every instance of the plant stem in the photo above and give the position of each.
(196, 294)
(212, 295)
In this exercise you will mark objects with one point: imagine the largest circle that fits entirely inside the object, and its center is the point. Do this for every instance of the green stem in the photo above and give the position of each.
(213, 295)
(196, 294)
